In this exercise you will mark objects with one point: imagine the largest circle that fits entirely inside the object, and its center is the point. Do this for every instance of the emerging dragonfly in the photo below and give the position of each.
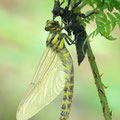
(55, 72)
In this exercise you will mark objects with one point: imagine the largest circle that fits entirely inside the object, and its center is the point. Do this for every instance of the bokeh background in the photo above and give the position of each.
(22, 42)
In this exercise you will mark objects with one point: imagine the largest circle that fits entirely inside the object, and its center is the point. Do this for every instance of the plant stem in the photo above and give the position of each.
(99, 84)
(100, 87)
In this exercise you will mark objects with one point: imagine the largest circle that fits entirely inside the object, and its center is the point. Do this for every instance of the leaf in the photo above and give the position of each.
(93, 34)
(117, 15)
(108, 29)
(110, 38)
(102, 14)
(113, 20)
(97, 32)
(102, 30)
(99, 23)
(119, 24)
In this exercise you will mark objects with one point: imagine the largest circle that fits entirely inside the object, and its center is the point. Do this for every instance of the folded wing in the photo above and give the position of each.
(46, 85)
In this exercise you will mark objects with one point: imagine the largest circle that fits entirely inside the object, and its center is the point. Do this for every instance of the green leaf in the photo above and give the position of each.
(99, 23)
(119, 24)
(117, 15)
(110, 37)
(97, 32)
(102, 30)
(102, 14)
(108, 30)
(113, 20)
(93, 34)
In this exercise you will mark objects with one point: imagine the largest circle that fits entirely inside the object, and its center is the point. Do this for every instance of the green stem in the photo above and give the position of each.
(100, 87)
(99, 84)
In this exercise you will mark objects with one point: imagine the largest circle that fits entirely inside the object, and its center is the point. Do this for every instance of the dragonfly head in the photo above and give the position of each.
(52, 25)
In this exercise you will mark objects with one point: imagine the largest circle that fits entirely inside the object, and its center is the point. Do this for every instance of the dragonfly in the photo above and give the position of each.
(55, 73)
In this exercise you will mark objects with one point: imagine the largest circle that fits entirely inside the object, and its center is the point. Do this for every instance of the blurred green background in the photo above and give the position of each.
(22, 42)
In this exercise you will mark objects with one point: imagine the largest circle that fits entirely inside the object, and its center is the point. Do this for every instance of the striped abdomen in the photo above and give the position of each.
(57, 43)
(67, 98)
(69, 85)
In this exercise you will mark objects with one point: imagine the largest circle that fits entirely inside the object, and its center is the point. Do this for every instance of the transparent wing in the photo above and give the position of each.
(46, 85)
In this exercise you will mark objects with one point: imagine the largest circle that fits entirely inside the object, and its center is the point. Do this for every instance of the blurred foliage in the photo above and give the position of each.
(106, 15)
(22, 42)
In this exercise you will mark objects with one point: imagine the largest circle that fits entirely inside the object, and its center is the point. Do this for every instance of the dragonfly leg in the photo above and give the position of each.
(69, 1)
(85, 16)
(76, 4)
(67, 39)
(62, 2)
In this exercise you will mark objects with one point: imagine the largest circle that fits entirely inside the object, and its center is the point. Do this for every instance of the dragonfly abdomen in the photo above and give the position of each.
(69, 85)
(67, 98)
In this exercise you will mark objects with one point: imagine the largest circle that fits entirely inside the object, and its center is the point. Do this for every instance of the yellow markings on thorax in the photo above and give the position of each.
(61, 44)
(49, 37)
(51, 29)
(55, 39)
